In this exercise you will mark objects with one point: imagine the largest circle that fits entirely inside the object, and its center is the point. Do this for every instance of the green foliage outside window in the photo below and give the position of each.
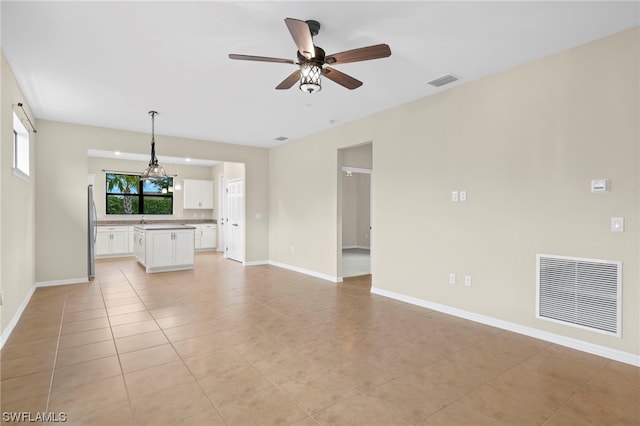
(127, 194)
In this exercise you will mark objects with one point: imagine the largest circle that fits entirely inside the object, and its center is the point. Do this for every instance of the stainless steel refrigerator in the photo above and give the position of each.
(92, 217)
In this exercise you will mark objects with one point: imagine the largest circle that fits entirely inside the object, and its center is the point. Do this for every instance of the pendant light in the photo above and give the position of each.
(153, 170)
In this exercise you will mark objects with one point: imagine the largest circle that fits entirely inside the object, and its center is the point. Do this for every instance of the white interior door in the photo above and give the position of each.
(222, 211)
(235, 222)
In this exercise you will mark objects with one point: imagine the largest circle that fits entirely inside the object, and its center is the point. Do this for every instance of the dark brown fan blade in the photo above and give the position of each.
(301, 36)
(361, 54)
(341, 78)
(260, 58)
(289, 81)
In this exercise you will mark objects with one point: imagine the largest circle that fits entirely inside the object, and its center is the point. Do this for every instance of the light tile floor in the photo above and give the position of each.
(356, 262)
(225, 344)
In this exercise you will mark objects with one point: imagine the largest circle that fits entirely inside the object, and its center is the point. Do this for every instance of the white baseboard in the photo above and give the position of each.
(16, 317)
(256, 263)
(320, 275)
(61, 282)
(614, 354)
(356, 247)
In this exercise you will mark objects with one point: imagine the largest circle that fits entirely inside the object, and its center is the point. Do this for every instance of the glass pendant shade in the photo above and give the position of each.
(153, 170)
(310, 77)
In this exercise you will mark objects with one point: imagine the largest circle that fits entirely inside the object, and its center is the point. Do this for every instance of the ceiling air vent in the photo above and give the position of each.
(585, 293)
(439, 82)
(281, 138)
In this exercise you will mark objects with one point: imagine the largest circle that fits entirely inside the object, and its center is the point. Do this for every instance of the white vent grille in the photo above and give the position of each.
(585, 293)
(439, 82)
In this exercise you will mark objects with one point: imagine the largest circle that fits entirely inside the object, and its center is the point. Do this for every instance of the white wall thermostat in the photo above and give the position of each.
(599, 185)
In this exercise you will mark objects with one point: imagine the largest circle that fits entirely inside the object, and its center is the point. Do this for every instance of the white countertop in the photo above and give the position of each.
(162, 226)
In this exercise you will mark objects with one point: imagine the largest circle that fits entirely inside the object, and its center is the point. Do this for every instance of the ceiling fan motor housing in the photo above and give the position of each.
(314, 27)
(318, 56)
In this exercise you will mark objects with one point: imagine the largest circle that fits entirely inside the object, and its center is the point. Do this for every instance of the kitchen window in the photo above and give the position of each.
(127, 194)
(20, 150)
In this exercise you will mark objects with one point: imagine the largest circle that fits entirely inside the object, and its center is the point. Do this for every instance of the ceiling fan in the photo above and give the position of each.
(312, 59)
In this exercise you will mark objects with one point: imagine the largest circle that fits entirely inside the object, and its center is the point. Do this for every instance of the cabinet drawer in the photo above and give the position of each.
(110, 229)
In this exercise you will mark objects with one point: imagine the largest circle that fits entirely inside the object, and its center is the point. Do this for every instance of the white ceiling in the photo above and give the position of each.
(118, 155)
(108, 63)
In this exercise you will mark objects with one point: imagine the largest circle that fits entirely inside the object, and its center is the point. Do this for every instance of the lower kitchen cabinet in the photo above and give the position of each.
(205, 236)
(112, 241)
(166, 249)
(138, 245)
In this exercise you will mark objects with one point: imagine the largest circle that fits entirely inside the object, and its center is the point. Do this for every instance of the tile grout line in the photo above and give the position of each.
(126, 388)
(173, 347)
(484, 383)
(580, 388)
(55, 357)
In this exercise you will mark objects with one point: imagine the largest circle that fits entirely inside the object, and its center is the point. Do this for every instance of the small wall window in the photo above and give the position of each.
(20, 149)
(127, 194)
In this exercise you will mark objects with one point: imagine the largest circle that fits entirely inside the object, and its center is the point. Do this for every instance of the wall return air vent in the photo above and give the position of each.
(585, 293)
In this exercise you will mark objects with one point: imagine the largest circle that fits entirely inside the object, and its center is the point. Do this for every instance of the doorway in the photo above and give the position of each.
(355, 211)
(234, 223)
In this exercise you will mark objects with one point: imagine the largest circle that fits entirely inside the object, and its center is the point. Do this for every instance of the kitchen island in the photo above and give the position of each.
(164, 247)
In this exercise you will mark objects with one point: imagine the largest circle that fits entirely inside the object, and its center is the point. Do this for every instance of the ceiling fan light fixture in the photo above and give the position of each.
(153, 170)
(310, 77)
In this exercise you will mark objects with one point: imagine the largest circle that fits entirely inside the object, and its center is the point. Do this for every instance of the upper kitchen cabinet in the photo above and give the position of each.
(198, 194)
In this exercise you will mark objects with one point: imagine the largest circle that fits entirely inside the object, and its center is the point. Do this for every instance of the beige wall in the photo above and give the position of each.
(61, 216)
(360, 156)
(356, 196)
(525, 145)
(96, 166)
(17, 206)
(356, 206)
(363, 209)
(349, 211)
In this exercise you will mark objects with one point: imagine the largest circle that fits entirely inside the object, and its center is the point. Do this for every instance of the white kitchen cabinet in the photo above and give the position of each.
(183, 247)
(112, 241)
(139, 245)
(131, 234)
(161, 249)
(198, 194)
(166, 247)
(205, 236)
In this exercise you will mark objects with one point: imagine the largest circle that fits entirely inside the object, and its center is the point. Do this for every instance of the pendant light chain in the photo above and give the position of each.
(154, 160)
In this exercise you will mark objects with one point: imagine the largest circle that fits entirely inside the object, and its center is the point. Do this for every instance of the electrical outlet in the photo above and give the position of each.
(463, 196)
(454, 196)
(467, 280)
(452, 278)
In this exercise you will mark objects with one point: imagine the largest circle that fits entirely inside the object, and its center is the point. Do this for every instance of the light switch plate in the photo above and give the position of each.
(463, 195)
(454, 196)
